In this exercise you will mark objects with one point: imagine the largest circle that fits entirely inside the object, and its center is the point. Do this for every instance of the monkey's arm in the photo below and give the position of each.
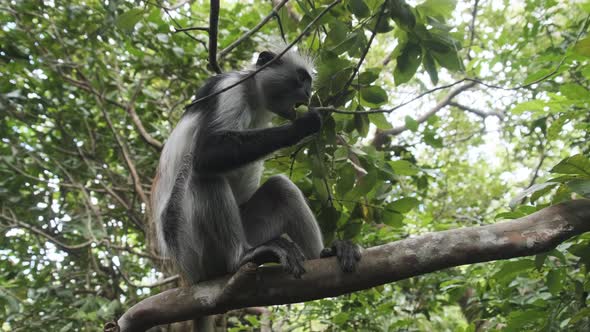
(226, 150)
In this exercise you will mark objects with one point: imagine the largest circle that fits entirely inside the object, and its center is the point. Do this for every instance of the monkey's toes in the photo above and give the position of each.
(348, 254)
(291, 257)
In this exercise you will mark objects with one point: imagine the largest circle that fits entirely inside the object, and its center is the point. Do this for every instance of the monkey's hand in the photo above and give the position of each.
(348, 254)
(278, 250)
(308, 124)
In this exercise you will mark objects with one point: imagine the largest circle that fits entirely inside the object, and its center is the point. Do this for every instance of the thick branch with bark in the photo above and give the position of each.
(252, 286)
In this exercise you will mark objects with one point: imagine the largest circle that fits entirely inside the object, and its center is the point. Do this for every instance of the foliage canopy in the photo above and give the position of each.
(90, 90)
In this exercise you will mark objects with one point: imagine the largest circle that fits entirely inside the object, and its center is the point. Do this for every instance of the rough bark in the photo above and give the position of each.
(252, 286)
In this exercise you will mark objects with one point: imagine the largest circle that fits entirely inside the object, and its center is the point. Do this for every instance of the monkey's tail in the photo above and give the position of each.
(172, 220)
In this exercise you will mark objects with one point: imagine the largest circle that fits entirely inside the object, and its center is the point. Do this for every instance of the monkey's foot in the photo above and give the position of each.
(347, 252)
(279, 250)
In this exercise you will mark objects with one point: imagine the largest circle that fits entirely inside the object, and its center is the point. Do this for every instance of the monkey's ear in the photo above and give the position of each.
(264, 57)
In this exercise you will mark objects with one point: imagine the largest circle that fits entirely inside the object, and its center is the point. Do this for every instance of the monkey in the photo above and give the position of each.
(211, 213)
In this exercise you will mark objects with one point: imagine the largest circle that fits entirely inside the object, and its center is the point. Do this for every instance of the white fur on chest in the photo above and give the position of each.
(245, 181)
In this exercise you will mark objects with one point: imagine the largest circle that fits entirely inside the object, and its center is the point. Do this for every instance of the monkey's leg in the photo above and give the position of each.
(278, 207)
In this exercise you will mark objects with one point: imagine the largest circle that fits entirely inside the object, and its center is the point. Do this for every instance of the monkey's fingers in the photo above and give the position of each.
(348, 254)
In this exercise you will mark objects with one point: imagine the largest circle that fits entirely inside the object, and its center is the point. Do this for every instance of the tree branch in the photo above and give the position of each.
(422, 118)
(258, 26)
(137, 121)
(477, 112)
(472, 28)
(533, 234)
(213, 25)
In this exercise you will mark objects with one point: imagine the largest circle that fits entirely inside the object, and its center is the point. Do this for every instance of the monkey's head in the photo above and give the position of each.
(286, 83)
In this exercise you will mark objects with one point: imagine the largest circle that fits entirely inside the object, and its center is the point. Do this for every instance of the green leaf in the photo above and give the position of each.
(328, 219)
(555, 281)
(582, 314)
(449, 60)
(430, 66)
(540, 261)
(404, 205)
(582, 47)
(380, 121)
(403, 167)
(440, 8)
(581, 187)
(574, 91)
(67, 327)
(337, 34)
(351, 229)
(374, 95)
(392, 218)
(369, 76)
(320, 189)
(577, 164)
(402, 14)
(431, 139)
(411, 124)
(359, 8)
(361, 123)
(340, 318)
(533, 77)
(530, 106)
(555, 128)
(129, 19)
(346, 44)
(407, 63)
(346, 179)
(511, 269)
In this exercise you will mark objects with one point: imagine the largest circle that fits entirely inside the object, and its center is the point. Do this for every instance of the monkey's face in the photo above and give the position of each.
(292, 90)
(285, 84)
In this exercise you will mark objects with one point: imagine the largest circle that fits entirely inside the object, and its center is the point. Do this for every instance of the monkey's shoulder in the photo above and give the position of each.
(209, 87)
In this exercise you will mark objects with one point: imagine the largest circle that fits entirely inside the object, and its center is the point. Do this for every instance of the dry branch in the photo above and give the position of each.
(251, 286)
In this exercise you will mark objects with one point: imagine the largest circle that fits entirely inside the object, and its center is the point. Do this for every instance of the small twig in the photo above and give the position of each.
(158, 283)
(280, 24)
(334, 110)
(52, 239)
(273, 13)
(126, 155)
(137, 121)
(213, 25)
(179, 27)
(176, 30)
(440, 105)
(472, 27)
(271, 62)
(477, 112)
